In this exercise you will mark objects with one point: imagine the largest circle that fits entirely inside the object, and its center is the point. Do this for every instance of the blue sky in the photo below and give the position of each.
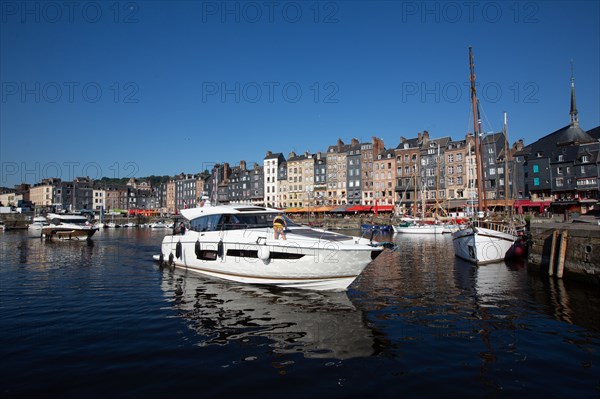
(154, 87)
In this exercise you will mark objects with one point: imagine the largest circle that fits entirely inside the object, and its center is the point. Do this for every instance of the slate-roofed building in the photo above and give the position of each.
(337, 165)
(407, 172)
(384, 177)
(432, 172)
(354, 173)
(550, 178)
(271, 190)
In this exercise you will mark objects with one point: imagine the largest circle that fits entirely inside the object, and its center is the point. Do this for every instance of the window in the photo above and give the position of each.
(559, 170)
(536, 169)
(585, 158)
(536, 180)
(459, 157)
(450, 157)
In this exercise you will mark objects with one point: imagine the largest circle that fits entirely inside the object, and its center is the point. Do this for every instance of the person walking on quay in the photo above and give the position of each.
(278, 226)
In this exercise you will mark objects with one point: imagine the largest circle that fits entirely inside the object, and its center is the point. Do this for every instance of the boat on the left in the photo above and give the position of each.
(68, 227)
(37, 223)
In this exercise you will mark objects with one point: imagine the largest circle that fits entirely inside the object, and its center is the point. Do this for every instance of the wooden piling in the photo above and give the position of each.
(552, 253)
(562, 253)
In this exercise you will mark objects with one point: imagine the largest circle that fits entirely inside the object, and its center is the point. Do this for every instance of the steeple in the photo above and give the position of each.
(573, 112)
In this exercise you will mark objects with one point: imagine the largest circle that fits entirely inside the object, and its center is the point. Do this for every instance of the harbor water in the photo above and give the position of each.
(102, 319)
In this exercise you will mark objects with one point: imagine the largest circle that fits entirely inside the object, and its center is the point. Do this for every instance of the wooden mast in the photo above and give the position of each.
(475, 130)
(506, 173)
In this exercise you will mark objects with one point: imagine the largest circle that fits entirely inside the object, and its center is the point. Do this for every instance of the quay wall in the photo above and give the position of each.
(577, 243)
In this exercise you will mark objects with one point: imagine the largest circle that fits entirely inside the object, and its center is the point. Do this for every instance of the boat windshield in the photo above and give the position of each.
(235, 221)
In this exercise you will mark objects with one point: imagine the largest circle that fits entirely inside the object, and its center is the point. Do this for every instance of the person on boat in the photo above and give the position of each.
(278, 226)
(181, 228)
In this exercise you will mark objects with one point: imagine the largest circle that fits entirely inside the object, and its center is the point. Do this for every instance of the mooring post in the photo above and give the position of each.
(562, 254)
(552, 253)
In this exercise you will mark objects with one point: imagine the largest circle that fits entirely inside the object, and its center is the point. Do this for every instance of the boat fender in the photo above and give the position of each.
(264, 253)
(198, 249)
(178, 249)
(171, 259)
(220, 249)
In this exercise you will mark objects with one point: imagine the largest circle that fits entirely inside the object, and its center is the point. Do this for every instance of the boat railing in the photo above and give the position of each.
(503, 227)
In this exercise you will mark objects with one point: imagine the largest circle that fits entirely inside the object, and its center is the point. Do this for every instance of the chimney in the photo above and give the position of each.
(419, 136)
(269, 153)
(340, 145)
(243, 165)
(354, 142)
(291, 154)
(402, 139)
(225, 171)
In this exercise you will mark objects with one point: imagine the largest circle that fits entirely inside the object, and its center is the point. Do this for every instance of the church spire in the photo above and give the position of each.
(573, 113)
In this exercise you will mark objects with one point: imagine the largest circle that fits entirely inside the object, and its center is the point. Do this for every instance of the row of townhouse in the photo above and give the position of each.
(560, 172)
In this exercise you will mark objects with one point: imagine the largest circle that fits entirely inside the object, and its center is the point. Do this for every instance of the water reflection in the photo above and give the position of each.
(316, 324)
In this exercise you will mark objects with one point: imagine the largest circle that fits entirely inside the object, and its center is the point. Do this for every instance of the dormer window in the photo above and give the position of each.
(561, 158)
(538, 154)
(585, 158)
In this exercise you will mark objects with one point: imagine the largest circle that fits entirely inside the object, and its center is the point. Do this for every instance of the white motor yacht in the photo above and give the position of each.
(237, 243)
(37, 224)
(68, 227)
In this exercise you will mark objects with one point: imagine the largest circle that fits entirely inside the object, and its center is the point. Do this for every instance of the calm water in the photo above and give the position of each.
(83, 320)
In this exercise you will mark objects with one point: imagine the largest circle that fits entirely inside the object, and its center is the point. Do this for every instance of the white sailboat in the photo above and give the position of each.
(482, 242)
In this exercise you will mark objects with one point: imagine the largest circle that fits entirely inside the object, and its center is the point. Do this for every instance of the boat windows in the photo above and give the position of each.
(235, 221)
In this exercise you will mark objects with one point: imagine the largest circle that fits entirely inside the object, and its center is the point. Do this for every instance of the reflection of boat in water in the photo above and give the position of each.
(316, 324)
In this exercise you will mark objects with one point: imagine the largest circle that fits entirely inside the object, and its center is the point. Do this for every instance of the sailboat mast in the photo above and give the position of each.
(475, 128)
(481, 161)
(506, 173)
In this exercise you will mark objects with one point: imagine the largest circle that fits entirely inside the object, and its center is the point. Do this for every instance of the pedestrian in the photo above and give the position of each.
(181, 228)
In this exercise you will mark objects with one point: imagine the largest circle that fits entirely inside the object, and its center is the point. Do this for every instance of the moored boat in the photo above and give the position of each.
(37, 223)
(383, 228)
(418, 228)
(68, 227)
(483, 242)
(238, 243)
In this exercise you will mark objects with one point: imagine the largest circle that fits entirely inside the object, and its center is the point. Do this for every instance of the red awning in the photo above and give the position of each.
(383, 208)
(359, 208)
(519, 203)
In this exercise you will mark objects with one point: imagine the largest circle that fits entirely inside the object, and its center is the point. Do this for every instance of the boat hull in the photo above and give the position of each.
(68, 234)
(290, 263)
(419, 229)
(480, 246)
